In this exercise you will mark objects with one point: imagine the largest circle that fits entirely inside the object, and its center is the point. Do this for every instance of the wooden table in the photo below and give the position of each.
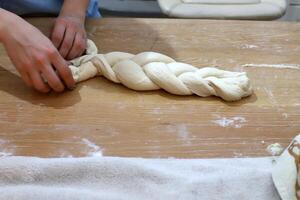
(102, 117)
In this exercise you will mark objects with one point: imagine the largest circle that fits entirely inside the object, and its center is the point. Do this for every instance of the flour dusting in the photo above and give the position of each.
(280, 66)
(249, 46)
(120, 106)
(64, 154)
(235, 122)
(156, 111)
(3, 151)
(2, 142)
(271, 96)
(237, 155)
(95, 150)
(182, 132)
(5, 154)
(285, 115)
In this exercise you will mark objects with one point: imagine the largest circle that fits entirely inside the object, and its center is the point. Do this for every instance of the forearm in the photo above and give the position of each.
(4, 21)
(75, 8)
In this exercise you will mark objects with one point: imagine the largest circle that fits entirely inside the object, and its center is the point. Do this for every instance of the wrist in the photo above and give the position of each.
(74, 8)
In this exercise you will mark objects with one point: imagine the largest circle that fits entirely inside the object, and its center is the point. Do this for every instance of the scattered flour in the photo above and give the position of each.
(271, 96)
(120, 105)
(5, 154)
(156, 111)
(236, 122)
(182, 132)
(275, 149)
(249, 46)
(285, 115)
(64, 154)
(280, 66)
(95, 151)
(2, 142)
(237, 155)
(3, 151)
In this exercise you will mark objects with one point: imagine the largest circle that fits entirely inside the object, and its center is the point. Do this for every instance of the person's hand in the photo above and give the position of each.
(69, 36)
(33, 54)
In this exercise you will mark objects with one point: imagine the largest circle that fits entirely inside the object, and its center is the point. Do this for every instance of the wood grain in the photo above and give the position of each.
(102, 116)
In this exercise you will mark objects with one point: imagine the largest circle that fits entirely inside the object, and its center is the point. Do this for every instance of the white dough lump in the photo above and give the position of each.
(153, 71)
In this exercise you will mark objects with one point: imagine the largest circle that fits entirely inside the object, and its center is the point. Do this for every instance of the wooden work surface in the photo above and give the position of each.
(100, 116)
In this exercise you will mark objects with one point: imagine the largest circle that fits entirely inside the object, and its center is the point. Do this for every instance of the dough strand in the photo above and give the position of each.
(153, 71)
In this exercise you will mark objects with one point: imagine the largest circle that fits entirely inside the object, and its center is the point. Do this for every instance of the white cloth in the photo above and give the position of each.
(28, 178)
(286, 173)
(224, 9)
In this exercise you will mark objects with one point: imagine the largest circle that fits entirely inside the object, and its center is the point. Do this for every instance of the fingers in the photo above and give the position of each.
(38, 83)
(58, 35)
(26, 78)
(37, 79)
(67, 42)
(52, 79)
(78, 47)
(63, 70)
(69, 36)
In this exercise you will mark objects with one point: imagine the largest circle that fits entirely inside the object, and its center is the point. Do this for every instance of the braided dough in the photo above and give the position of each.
(152, 71)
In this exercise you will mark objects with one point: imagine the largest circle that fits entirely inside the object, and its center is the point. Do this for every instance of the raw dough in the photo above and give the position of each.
(275, 149)
(152, 71)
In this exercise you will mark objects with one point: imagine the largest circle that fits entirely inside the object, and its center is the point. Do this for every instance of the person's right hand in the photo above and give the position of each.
(35, 57)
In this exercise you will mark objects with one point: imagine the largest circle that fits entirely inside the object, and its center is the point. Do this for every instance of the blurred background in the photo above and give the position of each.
(287, 10)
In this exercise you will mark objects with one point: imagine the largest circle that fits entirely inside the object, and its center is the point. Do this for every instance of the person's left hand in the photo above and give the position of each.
(69, 36)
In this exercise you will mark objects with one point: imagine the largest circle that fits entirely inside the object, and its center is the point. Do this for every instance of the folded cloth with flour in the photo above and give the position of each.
(109, 178)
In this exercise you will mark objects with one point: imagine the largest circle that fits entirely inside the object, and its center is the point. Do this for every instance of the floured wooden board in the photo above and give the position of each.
(101, 118)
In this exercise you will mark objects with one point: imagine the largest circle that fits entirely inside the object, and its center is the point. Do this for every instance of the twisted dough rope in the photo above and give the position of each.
(152, 71)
